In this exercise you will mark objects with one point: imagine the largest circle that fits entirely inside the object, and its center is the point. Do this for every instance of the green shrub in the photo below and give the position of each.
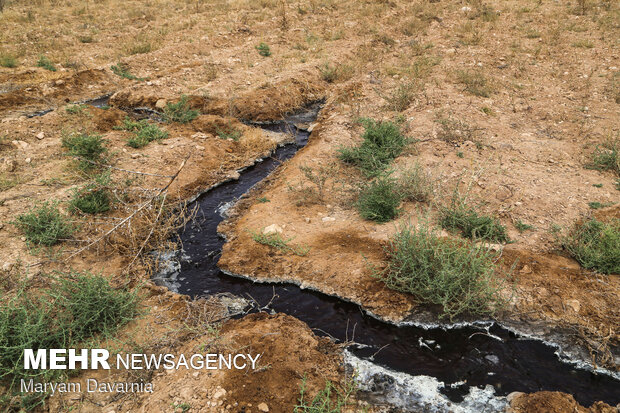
(457, 216)
(7, 60)
(69, 312)
(92, 305)
(595, 245)
(229, 133)
(415, 185)
(86, 148)
(522, 226)
(382, 142)
(145, 136)
(44, 224)
(180, 112)
(92, 198)
(457, 275)
(263, 49)
(606, 157)
(46, 63)
(379, 200)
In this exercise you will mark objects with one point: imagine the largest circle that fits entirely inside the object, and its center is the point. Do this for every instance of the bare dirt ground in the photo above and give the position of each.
(544, 93)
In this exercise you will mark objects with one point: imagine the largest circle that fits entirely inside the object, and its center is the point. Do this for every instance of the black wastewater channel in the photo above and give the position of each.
(476, 355)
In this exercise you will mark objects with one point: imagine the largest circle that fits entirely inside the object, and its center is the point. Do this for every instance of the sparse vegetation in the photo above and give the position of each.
(335, 73)
(475, 83)
(44, 225)
(415, 184)
(379, 200)
(595, 244)
(122, 70)
(75, 109)
(330, 399)
(382, 142)
(275, 240)
(454, 130)
(92, 198)
(180, 112)
(457, 275)
(230, 133)
(606, 157)
(46, 63)
(522, 226)
(7, 60)
(403, 96)
(263, 49)
(88, 149)
(144, 132)
(457, 216)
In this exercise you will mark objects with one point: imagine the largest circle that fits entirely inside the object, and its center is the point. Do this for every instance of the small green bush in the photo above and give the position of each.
(382, 142)
(606, 157)
(379, 200)
(263, 49)
(44, 224)
(92, 305)
(46, 63)
(146, 135)
(85, 148)
(180, 112)
(93, 198)
(68, 313)
(595, 245)
(459, 276)
(457, 216)
(7, 60)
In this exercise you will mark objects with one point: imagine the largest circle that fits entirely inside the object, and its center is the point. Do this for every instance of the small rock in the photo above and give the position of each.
(513, 395)
(9, 165)
(307, 220)
(7, 266)
(263, 407)
(41, 135)
(526, 269)
(135, 155)
(60, 82)
(311, 127)
(161, 103)
(574, 305)
(200, 147)
(465, 9)
(219, 393)
(328, 219)
(28, 160)
(234, 175)
(272, 229)
(20, 144)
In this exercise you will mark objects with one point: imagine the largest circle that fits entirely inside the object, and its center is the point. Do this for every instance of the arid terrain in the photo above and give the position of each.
(510, 104)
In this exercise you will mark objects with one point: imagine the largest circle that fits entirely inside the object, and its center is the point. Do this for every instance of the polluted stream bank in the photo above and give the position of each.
(405, 366)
